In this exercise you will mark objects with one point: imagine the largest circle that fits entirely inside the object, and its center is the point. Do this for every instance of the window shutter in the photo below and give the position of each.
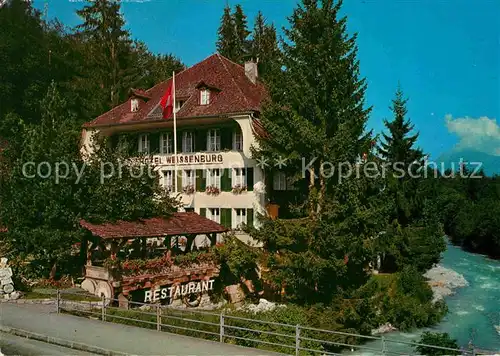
(179, 181)
(225, 218)
(250, 217)
(250, 179)
(225, 183)
(154, 143)
(114, 141)
(180, 138)
(201, 141)
(132, 144)
(226, 138)
(203, 212)
(201, 181)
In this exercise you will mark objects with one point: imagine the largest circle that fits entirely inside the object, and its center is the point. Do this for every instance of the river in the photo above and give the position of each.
(474, 311)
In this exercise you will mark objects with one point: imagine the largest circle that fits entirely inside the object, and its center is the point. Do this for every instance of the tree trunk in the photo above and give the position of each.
(312, 193)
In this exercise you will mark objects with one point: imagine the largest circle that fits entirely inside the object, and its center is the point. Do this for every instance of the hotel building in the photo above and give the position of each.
(217, 107)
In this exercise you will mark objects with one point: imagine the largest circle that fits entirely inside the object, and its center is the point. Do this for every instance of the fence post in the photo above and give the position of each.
(297, 340)
(158, 318)
(58, 298)
(103, 309)
(384, 346)
(221, 330)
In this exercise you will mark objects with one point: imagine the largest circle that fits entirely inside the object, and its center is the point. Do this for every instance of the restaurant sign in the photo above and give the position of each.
(184, 159)
(178, 291)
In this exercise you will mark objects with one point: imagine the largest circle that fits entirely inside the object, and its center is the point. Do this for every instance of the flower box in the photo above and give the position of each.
(239, 188)
(212, 190)
(188, 189)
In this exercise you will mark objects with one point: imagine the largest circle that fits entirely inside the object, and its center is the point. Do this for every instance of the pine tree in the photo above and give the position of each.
(264, 47)
(227, 43)
(242, 33)
(316, 114)
(110, 45)
(399, 144)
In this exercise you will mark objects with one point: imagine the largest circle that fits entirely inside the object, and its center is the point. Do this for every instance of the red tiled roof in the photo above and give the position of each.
(140, 93)
(3, 229)
(237, 94)
(179, 224)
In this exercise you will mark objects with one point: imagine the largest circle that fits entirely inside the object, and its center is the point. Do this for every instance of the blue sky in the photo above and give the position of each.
(445, 53)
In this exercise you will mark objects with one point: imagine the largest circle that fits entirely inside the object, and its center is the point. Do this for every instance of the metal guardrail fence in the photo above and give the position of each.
(278, 337)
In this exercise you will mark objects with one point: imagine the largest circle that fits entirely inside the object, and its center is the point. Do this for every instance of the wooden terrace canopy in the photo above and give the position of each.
(179, 224)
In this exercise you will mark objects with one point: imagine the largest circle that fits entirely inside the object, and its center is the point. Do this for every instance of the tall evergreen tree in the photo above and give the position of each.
(242, 33)
(110, 45)
(316, 114)
(227, 42)
(399, 143)
(264, 47)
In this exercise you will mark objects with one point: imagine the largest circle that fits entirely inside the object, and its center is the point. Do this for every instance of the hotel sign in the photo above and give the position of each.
(184, 159)
(177, 291)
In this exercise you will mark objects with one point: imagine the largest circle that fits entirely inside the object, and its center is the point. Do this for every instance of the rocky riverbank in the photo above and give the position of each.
(444, 281)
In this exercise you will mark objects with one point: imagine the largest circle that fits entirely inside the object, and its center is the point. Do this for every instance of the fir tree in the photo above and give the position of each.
(316, 115)
(227, 43)
(264, 47)
(242, 33)
(110, 44)
(399, 143)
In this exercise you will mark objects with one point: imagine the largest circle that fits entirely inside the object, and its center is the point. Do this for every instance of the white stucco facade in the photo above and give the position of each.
(241, 204)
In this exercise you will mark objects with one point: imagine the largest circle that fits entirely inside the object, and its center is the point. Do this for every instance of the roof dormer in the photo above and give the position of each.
(205, 93)
(137, 96)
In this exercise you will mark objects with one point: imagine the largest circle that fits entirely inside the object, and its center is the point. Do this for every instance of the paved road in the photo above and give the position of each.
(115, 337)
(11, 345)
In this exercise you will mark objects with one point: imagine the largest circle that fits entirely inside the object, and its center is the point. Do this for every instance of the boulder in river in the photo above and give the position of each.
(443, 281)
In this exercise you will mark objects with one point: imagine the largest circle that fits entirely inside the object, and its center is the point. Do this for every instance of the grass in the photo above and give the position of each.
(52, 295)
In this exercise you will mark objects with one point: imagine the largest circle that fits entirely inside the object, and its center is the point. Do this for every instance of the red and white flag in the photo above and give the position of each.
(167, 102)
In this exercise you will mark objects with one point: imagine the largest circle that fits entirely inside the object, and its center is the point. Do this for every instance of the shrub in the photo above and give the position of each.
(437, 339)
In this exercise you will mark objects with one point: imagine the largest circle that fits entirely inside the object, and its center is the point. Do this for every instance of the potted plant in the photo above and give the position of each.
(212, 190)
(239, 188)
(188, 189)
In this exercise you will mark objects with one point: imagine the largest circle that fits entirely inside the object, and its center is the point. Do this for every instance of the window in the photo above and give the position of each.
(214, 214)
(279, 181)
(168, 181)
(238, 141)
(143, 144)
(213, 140)
(134, 105)
(187, 142)
(166, 143)
(178, 105)
(239, 177)
(204, 97)
(213, 178)
(189, 210)
(240, 218)
(188, 178)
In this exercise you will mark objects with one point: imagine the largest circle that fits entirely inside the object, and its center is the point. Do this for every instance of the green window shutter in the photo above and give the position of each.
(114, 141)
(225, 218)
(226, 138)
(179, 181)
(203, 212)
(132, 144)
(201, 181)
(250, 217)
(225, 183)
(180, 135)
(250, 179)
(154, 143)
(200, 141)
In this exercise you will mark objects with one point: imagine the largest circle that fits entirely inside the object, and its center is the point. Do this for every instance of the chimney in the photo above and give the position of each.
(251, 71)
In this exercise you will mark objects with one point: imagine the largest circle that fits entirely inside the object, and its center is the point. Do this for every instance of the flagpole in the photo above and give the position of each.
(175, 131)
